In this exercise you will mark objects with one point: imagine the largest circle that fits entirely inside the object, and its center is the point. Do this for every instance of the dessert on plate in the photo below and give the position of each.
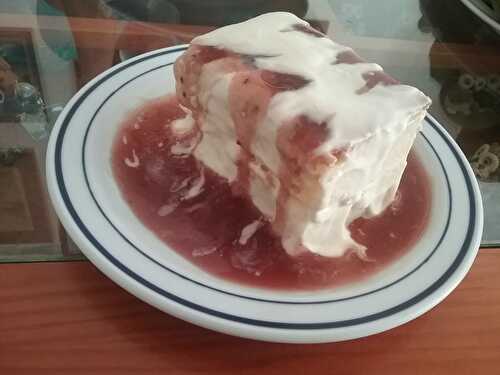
(313, 135)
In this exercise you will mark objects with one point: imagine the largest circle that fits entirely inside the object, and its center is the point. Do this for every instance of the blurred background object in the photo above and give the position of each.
(199, 12)
(470, 93)
(487, 10)
(8, 78)
(51, 48)
(470, 88)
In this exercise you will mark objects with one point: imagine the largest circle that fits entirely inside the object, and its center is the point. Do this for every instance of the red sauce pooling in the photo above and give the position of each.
(282, 81)
(206, 229)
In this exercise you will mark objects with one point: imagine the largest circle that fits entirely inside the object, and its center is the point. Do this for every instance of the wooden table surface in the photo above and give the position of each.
(67, 318)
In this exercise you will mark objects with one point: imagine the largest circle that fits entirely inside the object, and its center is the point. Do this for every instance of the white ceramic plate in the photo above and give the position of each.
(481, 10)
(90, 206)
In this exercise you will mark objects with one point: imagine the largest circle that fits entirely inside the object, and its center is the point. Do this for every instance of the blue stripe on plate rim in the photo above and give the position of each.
(466, 246)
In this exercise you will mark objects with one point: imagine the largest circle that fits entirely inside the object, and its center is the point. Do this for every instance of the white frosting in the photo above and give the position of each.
(134, 163)
(167, 209)
(196, 187)
(183, 148)
(248, 231)
(264, 190)
(218, 149)
(333, 86)
(377, 128)
(204, 251)
(183, 125)
(362, 186)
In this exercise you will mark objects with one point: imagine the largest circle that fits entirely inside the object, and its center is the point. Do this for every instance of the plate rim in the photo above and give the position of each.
(470, 249)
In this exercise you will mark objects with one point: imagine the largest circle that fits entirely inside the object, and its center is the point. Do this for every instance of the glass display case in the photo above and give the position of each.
(51, 48)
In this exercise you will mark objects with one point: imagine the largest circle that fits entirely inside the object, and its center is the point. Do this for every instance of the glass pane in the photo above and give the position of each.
(51, 48)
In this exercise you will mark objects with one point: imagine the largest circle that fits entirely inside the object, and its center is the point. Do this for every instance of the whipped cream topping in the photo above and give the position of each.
(277, 44)
(135, 162)
(369, 118)
(248, 231)
(183, 125)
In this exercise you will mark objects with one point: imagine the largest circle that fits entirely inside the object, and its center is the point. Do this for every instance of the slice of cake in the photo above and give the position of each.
(313, 135)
